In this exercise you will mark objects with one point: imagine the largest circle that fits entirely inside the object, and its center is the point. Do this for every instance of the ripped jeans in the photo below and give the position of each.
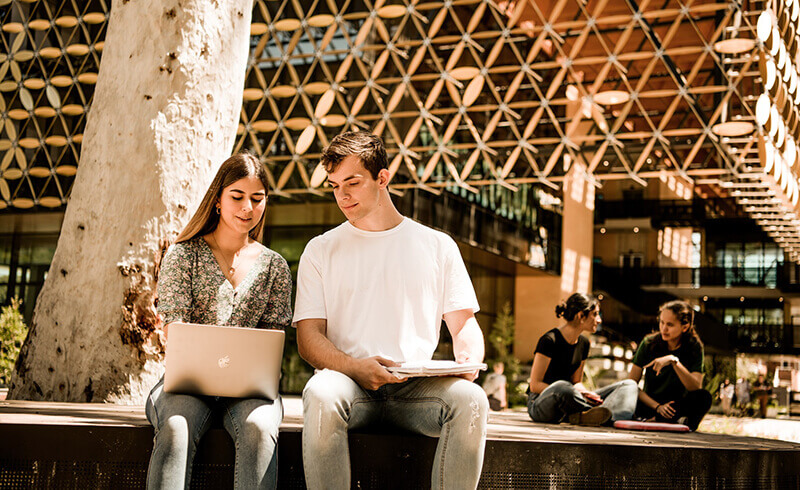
(452, 409)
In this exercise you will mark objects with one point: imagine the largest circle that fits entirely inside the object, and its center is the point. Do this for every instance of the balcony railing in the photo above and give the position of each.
(514, 237)
(751, 338)
(781, 276)
(667, 211)
(625, 282)
(775, 339)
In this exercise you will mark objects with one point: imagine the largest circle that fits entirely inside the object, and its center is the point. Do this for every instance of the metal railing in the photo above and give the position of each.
(778, 276)
(667, 211)
(753, 338)
(766, 338)
(512, 236)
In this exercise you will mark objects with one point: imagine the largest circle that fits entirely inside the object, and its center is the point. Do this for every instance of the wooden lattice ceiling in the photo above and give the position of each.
(49, 58)
(465, 93)
(477, 93)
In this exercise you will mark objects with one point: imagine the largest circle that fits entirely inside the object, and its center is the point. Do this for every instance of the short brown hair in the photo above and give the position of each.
(363, 144)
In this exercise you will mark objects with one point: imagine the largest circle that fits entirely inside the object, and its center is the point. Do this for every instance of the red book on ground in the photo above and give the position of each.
(658, 426)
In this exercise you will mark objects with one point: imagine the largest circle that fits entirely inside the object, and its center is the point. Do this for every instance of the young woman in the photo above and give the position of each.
(726, 392)
(218, 273)
(556, 391)
(672, 362)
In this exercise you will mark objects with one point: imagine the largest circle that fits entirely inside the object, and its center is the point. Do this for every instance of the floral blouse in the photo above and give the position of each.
(193, 289)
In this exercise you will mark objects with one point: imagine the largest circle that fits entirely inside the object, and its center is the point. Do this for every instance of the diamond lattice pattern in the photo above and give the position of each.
(465, 93)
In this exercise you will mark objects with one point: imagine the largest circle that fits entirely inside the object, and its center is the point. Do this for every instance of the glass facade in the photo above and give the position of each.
(753, 263)
(24, 261)
(753, 324)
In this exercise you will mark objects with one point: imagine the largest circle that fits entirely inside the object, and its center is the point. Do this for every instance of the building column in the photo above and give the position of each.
(536, 297)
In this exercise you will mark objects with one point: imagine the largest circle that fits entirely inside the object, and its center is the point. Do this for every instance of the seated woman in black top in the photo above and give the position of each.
(556, 391)
(672, 362)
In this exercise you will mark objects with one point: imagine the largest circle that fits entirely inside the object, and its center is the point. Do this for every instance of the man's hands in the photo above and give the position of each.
(660, 363)
(463, 357)
(371, 373)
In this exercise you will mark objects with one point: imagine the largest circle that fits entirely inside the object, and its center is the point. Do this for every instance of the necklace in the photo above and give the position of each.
(230, 267)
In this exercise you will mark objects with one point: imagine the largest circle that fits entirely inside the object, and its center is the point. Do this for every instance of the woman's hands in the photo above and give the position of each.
(666, 410)
(592, 397)
(661, 362)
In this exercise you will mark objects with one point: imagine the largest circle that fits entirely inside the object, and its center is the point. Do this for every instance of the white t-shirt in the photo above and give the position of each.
(383, 293)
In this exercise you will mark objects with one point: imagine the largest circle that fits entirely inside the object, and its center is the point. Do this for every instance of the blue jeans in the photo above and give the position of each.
(560, 399)
(181, 420)
(452, 409)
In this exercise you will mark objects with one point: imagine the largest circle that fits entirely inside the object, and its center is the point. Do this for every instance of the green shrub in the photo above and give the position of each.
(717, 368)
(12, 335)
(501, 340)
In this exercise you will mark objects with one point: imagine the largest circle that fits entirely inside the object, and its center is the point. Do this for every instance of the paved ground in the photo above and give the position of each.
(781, 429)
(510, 425)
(512, 422)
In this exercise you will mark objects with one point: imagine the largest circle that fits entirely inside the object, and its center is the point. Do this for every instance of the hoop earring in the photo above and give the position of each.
(218, 210)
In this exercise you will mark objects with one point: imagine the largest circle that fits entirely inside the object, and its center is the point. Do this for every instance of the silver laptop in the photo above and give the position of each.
(223, 361)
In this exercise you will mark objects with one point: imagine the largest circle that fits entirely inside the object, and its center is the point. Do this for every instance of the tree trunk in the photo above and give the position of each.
(163, 119)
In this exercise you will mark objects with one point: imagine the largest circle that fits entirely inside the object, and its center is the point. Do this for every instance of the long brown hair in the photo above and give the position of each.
(205, 219)
(684, 312)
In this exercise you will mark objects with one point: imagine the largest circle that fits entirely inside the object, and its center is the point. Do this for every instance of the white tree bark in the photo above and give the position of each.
(163, 119)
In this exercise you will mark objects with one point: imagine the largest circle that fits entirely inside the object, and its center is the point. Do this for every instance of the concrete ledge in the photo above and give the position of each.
(100, 446)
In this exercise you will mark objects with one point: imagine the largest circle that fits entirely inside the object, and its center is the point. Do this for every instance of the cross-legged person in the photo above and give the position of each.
(672, 363)
(372, 293)
(495, 387)
(556, 392)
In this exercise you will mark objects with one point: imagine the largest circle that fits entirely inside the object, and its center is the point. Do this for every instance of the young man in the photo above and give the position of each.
(371, 293)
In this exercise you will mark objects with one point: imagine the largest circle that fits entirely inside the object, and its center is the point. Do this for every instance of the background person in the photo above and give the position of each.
(672, 362)
(762, 391)
(726, 392)
(217, 273)
(495, 387)
(555, 391)
(742, 394)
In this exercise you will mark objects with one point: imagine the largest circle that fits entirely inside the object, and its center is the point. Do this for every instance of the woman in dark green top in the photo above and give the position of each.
(672, 362)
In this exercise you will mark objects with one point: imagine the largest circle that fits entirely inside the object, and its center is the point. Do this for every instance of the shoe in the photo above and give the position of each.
(689, 423)
(593, 417)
